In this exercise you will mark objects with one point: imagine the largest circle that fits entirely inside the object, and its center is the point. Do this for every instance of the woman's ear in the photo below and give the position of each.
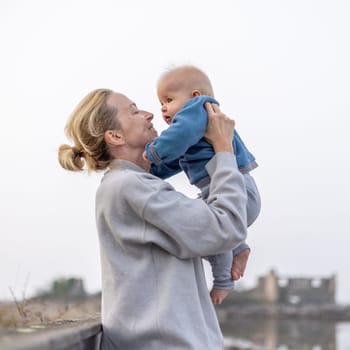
(114, 137)
(196, 93)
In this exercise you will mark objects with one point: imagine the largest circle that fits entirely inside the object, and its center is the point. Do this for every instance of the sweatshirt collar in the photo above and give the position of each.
(120, 164)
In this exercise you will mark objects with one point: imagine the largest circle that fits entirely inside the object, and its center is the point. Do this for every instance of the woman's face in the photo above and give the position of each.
(136, 124)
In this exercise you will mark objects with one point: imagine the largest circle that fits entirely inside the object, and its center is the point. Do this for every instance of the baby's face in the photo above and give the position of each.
(171, 100)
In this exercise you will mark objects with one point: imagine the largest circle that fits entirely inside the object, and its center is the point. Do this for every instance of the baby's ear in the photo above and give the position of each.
(196, 93)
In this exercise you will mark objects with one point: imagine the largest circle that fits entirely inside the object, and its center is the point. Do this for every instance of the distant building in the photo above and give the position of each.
(288, 290)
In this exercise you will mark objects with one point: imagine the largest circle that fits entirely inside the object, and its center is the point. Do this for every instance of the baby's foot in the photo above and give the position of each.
(218, 295)
(239, 264)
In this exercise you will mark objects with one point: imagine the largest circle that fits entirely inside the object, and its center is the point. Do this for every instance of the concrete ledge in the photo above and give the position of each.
(73, 334)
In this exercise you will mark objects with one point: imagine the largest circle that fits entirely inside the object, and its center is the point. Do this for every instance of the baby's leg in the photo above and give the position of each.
(218, 295)
(223, 284)
(241, 253)
(253, 199)
(221, 265)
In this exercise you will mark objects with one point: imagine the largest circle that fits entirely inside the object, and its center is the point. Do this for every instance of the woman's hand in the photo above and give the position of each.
(220, 129)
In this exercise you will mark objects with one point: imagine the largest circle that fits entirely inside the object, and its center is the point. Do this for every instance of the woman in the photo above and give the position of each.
(154, 292)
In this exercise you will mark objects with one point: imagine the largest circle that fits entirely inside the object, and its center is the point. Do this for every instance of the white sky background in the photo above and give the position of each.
(279, 67)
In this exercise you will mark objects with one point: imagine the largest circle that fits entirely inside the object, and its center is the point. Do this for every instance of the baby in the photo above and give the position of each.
(182, 92)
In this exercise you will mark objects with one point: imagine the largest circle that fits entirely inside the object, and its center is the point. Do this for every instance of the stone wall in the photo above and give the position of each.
(77, 334)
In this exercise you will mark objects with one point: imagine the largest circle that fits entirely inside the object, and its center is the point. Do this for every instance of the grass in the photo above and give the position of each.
(28, 312)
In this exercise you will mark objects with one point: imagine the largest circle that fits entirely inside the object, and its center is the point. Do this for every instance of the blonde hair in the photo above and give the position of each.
(86, 128)
(188, 77)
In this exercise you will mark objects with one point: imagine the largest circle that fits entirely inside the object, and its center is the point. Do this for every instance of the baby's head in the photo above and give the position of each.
(177, 85)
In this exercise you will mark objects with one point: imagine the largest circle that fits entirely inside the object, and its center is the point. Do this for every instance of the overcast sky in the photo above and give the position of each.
(280, 68)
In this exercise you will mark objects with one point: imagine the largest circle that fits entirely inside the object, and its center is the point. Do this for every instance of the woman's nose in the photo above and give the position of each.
(149, 115)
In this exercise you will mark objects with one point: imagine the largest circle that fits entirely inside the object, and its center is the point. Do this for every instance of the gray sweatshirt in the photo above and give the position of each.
(154, 292)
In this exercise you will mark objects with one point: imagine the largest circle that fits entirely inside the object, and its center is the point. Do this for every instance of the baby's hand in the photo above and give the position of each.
(144, 156)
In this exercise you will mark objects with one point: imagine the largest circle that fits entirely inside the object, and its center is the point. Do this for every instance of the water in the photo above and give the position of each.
(269, 334)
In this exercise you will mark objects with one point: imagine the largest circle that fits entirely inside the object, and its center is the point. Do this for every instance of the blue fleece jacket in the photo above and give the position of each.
(182, 146)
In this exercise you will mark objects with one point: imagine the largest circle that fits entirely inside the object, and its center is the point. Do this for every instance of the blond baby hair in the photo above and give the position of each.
(188, 77)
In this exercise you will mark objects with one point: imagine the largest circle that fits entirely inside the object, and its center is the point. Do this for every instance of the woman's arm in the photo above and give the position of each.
(187, 227)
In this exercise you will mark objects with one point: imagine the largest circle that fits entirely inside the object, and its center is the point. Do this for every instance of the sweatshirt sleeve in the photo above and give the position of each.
(188, 227)
(187, 128)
